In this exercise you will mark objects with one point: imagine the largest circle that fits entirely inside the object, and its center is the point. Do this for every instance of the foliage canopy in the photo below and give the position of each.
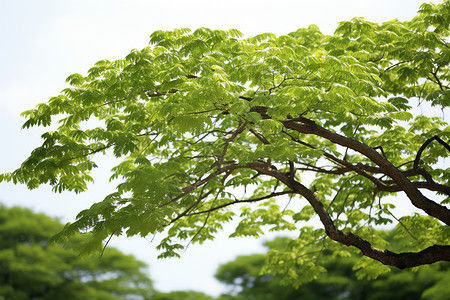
(32, 268)
(206, 120)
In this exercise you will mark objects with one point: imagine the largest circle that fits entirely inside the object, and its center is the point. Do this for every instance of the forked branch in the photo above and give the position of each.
(306, 126)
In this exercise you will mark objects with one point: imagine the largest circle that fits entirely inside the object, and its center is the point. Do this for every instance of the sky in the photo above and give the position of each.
(43, 42)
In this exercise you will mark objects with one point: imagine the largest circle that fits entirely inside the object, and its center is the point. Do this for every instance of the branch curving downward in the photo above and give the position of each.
(429, 255)
(422, 148)
(432, 208)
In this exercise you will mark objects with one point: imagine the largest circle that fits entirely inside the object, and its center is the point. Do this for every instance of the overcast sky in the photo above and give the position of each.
(42, 42)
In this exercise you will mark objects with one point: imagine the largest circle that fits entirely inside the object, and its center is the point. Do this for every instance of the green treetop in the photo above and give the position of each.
(206, 120)
(32, 268)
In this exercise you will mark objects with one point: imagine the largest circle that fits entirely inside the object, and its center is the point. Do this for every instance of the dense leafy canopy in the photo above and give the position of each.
(246, 281)
(207, 120)
(32, 268)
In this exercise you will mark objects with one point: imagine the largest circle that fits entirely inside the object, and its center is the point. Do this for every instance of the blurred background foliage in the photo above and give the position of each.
(31, 267)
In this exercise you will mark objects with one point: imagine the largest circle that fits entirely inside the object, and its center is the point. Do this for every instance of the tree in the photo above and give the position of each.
(247, 281)
(207, 120)
(32, 268)
(181, 295)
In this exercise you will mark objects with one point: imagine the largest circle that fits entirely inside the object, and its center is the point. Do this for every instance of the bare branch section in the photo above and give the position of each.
(431, 186)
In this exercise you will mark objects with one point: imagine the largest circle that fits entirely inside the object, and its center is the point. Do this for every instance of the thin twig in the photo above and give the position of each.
(242, 201)
(106, 244)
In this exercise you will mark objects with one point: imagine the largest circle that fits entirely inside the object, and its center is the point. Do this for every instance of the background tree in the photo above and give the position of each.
(31, 268)
(246, 281)
(180, 295)
(207, 120)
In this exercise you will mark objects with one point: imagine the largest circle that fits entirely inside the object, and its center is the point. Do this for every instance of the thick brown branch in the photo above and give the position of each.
(432, 208)
(400, 260)
(403, 260)
(261, 110)
(346, 164)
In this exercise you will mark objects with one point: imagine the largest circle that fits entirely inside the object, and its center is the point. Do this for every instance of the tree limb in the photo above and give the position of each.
(274, 194)
(432, 208)
(422, 148)
(429, 255)
(228, 141)
(431, 186)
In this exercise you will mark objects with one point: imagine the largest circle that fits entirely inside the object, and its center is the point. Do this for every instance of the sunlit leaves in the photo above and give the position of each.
(297, 263)
(439, 98)
(431, 232)
(268, 215)
(198, 122)
(369, 268)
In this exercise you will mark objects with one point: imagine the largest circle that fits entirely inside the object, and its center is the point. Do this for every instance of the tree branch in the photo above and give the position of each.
(400, 260)
(397, 64)
(431, 186)
(274, 194)
(259, 136)
(422, 148)
(186, 190)
(342, 162)
(432, 208)
(228, 141)
(438, 81)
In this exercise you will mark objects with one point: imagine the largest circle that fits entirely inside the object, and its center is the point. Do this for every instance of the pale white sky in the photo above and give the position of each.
(42, 42)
